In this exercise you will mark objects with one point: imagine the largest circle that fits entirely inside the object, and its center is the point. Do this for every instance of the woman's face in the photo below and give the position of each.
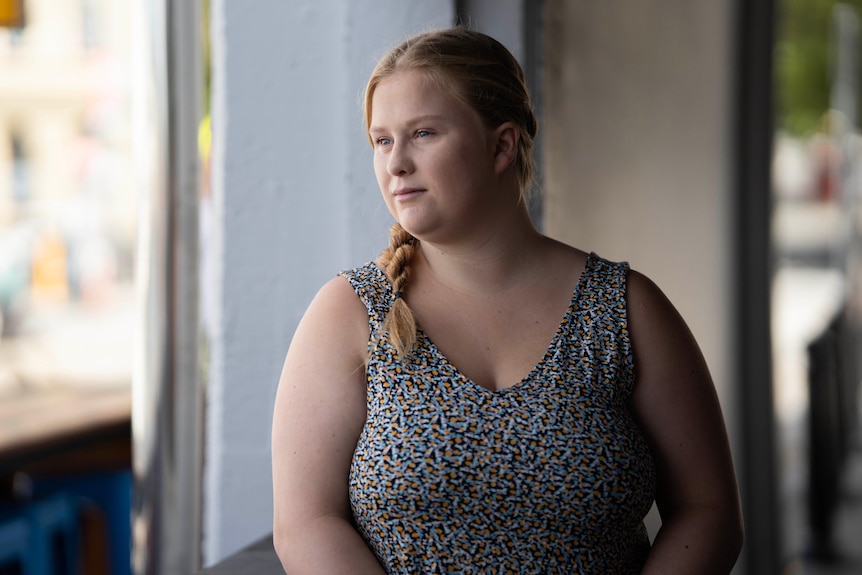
(433, 158)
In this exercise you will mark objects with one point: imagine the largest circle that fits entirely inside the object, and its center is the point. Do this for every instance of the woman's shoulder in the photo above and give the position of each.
(337, 300)
(591, 267)
(644, 292)
(563, 256)
(598, 271)
(658, 329)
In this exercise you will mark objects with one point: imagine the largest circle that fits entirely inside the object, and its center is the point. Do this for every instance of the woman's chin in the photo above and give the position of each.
(416, 227)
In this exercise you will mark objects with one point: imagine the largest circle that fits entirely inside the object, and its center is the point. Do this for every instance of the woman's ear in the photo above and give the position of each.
(506, 148)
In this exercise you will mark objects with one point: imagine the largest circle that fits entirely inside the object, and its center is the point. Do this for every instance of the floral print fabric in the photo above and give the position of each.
(550, 476)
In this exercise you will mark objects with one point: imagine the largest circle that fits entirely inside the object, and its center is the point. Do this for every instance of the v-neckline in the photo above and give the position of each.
(549, 349)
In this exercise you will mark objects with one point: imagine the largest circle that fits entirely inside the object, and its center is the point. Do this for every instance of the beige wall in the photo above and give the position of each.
(637, 156)
(637, 150)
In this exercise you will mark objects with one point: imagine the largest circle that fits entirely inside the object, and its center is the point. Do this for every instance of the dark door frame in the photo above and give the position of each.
(755, 29)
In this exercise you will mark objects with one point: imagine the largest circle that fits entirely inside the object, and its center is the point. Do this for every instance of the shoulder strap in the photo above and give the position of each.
(608, 279)
(370, 284)
(605, 299)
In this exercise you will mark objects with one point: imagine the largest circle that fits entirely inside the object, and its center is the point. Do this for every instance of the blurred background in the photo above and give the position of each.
(178, 179)
(68, 223)
(815, 285)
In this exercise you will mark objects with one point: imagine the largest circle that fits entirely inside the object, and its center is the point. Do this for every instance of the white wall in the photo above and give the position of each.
(294, 201)
(502, 19)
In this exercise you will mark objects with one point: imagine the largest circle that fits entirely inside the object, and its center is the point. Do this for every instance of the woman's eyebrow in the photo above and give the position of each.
(411, 122)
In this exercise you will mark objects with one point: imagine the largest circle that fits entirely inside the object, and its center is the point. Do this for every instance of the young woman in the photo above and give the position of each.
(482, 398)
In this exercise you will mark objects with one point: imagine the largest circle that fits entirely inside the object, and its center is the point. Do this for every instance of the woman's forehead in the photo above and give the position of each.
(413, 90)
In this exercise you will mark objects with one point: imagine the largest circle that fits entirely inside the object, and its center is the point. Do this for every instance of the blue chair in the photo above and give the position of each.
(54, 535)
(40, 537)
(14, 545)
(109, 494)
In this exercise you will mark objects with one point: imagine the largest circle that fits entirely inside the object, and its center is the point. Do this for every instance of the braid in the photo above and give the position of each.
(395, 259)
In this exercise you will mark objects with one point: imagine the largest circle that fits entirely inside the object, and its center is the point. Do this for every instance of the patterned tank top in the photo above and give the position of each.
(550, 476)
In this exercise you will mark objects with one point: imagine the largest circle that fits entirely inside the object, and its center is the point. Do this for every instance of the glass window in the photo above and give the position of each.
(67, 212)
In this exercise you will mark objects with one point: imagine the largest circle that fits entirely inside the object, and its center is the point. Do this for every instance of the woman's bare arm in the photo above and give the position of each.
(677, 406)
(319, 414)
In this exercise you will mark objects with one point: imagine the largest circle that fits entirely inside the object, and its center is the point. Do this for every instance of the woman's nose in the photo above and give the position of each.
(400, 161)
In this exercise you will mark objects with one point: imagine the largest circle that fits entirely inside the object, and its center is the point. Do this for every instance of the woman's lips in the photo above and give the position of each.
(404, 194)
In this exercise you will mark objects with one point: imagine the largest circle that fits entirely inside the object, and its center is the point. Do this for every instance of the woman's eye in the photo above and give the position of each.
(422, 133)
(383, 141)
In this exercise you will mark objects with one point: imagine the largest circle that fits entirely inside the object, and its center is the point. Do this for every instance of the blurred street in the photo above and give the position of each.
(71, 346)
(815, 232)
(847, 559)
(66, 371)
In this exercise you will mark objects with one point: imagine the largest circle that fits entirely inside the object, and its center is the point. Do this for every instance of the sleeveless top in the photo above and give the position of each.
(550, 476)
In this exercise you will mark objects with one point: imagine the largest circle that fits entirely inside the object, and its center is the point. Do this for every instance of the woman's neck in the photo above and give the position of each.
(491, 261)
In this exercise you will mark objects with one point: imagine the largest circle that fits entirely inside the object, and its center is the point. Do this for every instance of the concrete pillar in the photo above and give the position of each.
(294, 200)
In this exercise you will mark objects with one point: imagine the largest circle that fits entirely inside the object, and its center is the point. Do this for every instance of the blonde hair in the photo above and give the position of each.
(480, 72)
